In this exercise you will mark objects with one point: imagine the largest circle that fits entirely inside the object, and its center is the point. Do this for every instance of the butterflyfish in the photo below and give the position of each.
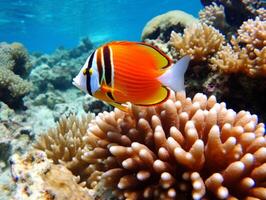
(136, 72)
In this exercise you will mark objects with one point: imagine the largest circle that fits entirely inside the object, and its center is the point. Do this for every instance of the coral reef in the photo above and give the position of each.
(214, 15)
(64, 143)
(15, 57)
(238, 11)
(185, 148)
(51, 96)
(248, 51)
(161, 26)
(14, 66)
(261, 14)
(50, 99)
(200, 41)
(37, 178)
(57, 70)
(85, 45)
(94, 105)
(14, 137)
(52, 82)
(215, 61)
(6, 184)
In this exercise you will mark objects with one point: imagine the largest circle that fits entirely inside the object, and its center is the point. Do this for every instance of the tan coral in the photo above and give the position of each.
(261, 14)
(200, 41)
(248, 51)
(213, 15)
(37, 177)
(14, 65)
(14, 57)
(13, 83)
(251, 45)
(64, 143)
(185, 148)
(226, 60)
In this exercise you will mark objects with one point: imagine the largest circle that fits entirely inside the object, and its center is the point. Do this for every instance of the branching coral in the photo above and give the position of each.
(181, 149)
(214, 15)
(163, 24)
(226, 60)
(248, 51)
(261, 14)
(64, 143)
(200, 41)
(238, 11)
(251, 44)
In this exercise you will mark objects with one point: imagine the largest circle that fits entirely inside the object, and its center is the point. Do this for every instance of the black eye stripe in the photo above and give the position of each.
(90, 61)
(88, 80)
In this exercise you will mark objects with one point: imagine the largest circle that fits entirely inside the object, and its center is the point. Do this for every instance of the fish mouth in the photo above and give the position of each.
(75, 82)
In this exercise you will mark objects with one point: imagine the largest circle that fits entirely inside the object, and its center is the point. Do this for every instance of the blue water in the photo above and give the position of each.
(43, 25)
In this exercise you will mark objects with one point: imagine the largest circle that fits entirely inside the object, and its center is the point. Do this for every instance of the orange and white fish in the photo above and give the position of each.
(120, 72)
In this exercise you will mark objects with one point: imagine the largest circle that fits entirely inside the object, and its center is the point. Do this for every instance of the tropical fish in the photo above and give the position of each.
(120, 72)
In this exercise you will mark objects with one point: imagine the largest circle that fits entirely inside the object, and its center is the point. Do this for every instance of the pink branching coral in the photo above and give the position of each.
(185, 148)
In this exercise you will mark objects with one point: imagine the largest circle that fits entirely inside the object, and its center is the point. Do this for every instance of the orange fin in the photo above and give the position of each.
(160, 59)
(159, 97)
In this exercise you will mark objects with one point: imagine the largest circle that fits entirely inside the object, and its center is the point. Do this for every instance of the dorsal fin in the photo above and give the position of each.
(160, 58)
(163, 60)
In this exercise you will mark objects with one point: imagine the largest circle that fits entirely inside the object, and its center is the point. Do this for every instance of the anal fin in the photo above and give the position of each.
(119, 106)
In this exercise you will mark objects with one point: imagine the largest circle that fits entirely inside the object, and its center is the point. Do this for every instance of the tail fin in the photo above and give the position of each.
(174, 76)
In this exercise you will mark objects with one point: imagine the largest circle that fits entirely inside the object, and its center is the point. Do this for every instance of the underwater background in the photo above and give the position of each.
(57, 142)
(45, 25)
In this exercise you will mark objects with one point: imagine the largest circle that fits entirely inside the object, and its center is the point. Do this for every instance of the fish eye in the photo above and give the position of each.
(84, 71)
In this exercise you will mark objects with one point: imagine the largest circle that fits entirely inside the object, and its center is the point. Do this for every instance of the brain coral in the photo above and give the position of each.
(163, 24)
(185, 148)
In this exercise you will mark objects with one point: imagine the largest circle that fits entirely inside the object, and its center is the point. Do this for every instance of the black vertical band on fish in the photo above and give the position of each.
(108, 66)
(110, 95)
(88, 81)
(99, 65)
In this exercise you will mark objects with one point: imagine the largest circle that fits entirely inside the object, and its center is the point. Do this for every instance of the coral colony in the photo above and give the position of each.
(184, 147)
(199, 144)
